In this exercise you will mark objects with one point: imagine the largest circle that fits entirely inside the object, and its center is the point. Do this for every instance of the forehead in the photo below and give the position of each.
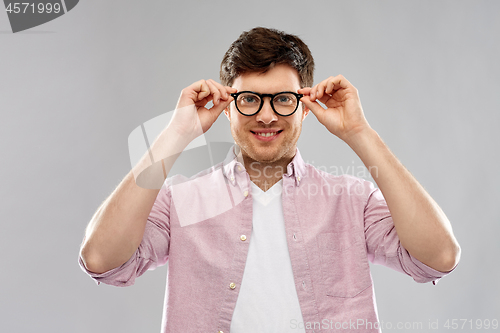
(279, 78)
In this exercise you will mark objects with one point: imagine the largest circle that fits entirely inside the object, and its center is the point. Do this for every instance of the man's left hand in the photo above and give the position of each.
(344, 115)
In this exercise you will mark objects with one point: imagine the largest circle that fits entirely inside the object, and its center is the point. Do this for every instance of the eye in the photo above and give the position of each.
(248, 99)
(285, 99)
(282, 99)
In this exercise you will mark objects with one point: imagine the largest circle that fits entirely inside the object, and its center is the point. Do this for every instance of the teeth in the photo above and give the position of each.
(267, 134)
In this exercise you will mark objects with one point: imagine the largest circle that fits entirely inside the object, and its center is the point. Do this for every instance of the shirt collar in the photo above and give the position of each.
(234, 161)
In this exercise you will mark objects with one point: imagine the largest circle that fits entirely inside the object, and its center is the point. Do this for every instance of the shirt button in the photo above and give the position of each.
(232, 285)
(220, 332)
(243, 237)
(232, 178)
(298, 178)
(245, 193)
(239, 168)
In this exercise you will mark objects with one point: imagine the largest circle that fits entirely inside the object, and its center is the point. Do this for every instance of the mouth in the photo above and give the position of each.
(266, 135)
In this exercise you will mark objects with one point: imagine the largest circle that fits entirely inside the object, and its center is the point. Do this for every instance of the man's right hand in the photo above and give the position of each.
(116, 229)
(191, 117)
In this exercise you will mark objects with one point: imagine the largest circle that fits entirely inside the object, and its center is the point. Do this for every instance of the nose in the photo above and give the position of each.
(267, 115)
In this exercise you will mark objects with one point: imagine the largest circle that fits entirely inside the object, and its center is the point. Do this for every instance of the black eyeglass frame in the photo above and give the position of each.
(261, 96)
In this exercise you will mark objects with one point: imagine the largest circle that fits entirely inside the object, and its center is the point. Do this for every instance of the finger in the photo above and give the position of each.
(329, 87)
(222, 89)
(320, 89)
(340, 82)
(314, 107)
(312, 92)
(201, 89)
(229, 90)
(204, 101)
(324, 99)
(193, 94)
(317, 90)
(214, 91)
(304, 91)
(217, 109)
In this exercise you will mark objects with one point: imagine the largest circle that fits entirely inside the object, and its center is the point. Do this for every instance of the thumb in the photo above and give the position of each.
(214, 112)
(217, 109)
(315, 107)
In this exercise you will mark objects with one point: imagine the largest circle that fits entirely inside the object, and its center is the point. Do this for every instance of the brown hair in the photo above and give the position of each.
(260, 49)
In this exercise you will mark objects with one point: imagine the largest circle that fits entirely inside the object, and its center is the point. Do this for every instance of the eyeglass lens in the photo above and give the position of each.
(284, 104)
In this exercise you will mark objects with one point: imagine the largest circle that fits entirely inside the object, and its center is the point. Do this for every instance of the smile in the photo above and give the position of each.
(266, 136)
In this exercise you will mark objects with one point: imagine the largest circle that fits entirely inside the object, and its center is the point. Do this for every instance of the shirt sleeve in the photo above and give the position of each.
(383, 243)
(151, 253)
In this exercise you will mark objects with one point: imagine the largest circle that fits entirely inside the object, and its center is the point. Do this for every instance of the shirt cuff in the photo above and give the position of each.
(114, 277)
(434, 275)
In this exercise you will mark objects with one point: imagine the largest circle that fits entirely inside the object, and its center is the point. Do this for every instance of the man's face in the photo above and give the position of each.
(246, 129)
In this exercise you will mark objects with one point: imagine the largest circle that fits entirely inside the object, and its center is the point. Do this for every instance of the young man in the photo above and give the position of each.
(263, 242)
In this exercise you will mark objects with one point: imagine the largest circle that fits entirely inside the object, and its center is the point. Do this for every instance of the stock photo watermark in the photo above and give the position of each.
(364, 324)
(141, 150)
(24, 15)
(195, 164)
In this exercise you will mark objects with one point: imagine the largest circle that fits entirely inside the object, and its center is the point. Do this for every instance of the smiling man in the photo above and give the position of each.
(267, 128)
(264, 242)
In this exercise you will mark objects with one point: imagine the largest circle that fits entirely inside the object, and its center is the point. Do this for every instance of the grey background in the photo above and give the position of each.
(73, 89)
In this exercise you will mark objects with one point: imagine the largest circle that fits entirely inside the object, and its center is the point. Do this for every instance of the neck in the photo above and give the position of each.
(264, 174)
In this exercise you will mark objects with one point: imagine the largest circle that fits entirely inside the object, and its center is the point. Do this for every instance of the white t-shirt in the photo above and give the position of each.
(267, 301)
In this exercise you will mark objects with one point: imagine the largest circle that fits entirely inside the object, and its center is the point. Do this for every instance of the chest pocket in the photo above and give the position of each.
(344, 264)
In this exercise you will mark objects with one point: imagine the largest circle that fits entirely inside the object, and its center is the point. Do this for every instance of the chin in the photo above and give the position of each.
(265, 155)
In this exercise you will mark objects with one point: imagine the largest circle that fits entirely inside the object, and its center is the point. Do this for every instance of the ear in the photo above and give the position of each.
(227, 112)
(305, 111)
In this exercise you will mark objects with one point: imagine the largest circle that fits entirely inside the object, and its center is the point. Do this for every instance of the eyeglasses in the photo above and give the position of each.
(249, 103)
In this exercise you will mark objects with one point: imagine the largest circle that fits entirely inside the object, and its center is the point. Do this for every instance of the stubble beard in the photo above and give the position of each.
(284, 152)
